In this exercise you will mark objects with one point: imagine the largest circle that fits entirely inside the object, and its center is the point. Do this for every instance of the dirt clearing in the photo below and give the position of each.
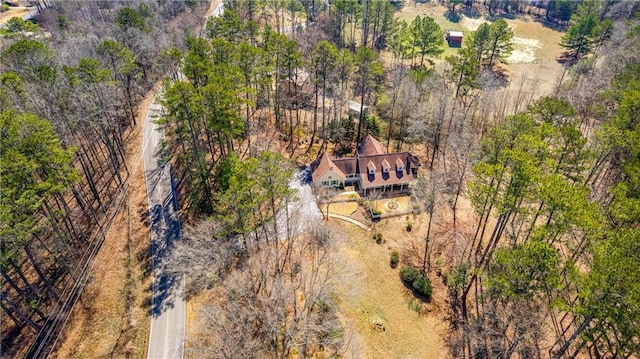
(536, 47)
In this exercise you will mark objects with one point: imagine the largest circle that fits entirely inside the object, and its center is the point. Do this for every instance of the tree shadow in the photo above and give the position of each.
(423, 298)
(567, 59)
(164, 295)
(494, 79)
(471, 13)
(452, 16)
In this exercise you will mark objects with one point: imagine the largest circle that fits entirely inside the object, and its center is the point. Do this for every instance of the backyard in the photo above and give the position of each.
(382, 318)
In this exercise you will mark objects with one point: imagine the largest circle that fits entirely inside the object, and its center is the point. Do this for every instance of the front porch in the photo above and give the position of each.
(385, 191)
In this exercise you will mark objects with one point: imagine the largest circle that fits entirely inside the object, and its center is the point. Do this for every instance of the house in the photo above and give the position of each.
(371, 170)
(298, 89)
(454, 38)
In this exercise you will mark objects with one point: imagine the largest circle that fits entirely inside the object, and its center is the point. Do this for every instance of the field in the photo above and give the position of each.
(536, 47)
(383, 319)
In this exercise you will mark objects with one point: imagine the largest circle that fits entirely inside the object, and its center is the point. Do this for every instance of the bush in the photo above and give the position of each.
(377, 237)
(4, 8)
(409, 225)
(420, 284)
(408, 275)
(423, 286)
(395, 259)
(376, 212)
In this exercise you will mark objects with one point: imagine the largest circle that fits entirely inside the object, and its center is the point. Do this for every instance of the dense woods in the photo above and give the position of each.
(548, 266)
(69, 89)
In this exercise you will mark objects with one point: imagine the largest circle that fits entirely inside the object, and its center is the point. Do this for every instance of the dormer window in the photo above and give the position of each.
(399, 165)
(385, 166)
(371, 168)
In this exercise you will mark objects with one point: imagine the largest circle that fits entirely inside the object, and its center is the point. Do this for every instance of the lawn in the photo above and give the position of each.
(373, 293)
(341, 208)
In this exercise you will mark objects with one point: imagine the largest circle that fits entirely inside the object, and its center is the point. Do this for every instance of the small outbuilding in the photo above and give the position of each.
(454, 38)
(354, 109)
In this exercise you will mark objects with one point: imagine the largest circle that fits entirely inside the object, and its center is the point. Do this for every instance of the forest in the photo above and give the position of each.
(546, 265)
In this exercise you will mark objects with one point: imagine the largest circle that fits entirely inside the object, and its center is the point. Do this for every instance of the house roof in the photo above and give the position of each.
(393, 176)
(456, 34)
(371, 157)
(369, 146)
(300, 76)
(322, 165)
(347, 165)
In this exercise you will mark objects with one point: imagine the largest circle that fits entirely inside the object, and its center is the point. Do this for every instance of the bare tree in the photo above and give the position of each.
(271, 307)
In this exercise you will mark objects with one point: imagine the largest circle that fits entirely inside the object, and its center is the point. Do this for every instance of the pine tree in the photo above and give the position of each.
(579, 39)
(464, 72)
(500, 42)
(428, 37)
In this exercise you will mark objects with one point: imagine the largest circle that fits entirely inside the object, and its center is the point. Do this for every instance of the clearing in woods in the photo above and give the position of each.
(536, 47)
(382, 318)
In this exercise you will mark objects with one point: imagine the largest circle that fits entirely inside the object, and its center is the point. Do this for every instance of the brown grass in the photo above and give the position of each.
(374, 293)
(7, 15)
(341, 208)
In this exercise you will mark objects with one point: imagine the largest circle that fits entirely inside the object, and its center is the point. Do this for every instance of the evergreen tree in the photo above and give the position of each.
(369, 72)
(428, 37)
(500, 42)
(480, 42)
(464, 72)
(580, 36)
(400, 40)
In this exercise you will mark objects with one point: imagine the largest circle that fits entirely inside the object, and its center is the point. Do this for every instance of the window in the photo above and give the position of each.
(333, 183)
(385, 166)
(325, 183)
(371, 167)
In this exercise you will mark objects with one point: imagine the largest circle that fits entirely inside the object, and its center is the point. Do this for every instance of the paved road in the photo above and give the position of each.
(168, 314)
(167, 332)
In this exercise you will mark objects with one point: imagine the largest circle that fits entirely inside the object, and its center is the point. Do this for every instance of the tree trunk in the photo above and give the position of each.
(585, 323)
(425, 260)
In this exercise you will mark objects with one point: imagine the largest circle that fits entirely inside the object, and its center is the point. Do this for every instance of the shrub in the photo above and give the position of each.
(409, 225)
(395, 259)
(378, 237)
(408, 275)
(376, 212)
(420, 284)
(4, 8)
